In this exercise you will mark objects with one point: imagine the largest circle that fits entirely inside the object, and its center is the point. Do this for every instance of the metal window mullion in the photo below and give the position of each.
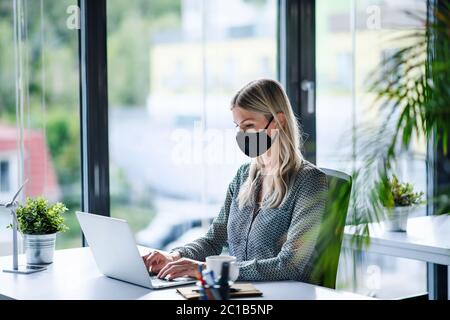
(296, 45)
(94, 107)
(437, 179)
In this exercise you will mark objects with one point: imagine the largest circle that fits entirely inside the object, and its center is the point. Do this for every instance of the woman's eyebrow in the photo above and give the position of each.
(242, 121)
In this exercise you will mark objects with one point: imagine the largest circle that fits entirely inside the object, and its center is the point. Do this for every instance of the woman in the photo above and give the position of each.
(273, 206)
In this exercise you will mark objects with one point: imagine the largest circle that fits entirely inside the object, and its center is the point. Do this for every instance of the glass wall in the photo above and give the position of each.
(39, 109)
(353, 37)
(173, 67)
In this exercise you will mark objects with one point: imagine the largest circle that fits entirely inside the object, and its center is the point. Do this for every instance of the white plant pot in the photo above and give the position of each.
(397, 218)
(39, 248)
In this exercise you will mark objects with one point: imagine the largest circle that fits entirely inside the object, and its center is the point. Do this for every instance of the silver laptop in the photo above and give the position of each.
(116, 253)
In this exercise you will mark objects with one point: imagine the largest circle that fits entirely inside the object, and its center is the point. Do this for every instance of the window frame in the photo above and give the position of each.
(438, 182)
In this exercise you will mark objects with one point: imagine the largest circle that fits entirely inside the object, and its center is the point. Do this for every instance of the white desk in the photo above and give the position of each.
(74, 275)
(427, 239)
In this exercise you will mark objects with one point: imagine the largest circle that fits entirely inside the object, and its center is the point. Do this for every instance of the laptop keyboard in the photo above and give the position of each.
(157, 281)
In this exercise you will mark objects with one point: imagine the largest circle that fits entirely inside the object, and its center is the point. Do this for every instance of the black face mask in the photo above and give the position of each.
(254, 144)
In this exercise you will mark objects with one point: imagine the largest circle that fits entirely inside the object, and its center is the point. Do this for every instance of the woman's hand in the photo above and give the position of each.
(156, 260)
(181, 267)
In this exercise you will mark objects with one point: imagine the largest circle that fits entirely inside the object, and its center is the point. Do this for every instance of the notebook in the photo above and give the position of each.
(238, 290)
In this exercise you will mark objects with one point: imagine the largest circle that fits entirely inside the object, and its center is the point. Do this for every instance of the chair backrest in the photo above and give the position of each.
(331, 232)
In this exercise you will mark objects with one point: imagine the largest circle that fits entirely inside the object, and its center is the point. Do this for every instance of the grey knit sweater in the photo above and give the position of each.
(274, 244)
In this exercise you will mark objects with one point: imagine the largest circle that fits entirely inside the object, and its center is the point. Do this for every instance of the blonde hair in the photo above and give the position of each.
(268, 97)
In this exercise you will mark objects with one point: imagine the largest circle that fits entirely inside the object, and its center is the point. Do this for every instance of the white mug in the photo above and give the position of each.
(214, 263)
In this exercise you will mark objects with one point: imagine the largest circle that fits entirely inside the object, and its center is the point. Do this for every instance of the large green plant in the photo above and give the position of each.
(37, 216)
(413, 99)
(412, 90)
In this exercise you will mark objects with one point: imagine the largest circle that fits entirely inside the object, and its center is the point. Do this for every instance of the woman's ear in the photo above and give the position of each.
(281, 118)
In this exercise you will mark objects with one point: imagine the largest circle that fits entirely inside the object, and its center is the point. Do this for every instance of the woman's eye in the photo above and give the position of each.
(245, 127)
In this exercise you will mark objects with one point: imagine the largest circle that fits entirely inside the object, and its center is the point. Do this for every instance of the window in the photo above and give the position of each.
(352, 39)
(39, 118)
(173, 67)
(4, 176)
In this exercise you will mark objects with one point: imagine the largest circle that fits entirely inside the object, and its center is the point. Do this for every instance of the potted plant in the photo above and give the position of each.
(400, 201)
(39, 222)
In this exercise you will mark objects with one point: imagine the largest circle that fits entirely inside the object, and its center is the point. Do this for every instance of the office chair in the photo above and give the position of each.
(329, 242)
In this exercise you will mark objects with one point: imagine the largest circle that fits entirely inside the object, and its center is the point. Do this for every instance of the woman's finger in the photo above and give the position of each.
(178, 273)
(148, 254)
(146, 259)
(170, 270)
(152, 258)
(156, 267)
(165, 268)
